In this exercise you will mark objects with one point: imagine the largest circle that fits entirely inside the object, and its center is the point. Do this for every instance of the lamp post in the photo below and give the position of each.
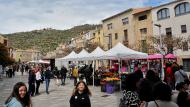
(159, 26)
(161, 51)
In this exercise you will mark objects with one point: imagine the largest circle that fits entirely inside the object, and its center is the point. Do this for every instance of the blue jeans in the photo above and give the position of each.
(47, 84)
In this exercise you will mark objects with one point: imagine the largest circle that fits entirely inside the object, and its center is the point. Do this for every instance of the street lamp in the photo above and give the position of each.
(161, 51)
(159, 26)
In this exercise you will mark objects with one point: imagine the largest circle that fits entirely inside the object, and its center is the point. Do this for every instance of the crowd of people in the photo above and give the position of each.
(37, 74)
(140, 88)
(12, 69)
(151, 91)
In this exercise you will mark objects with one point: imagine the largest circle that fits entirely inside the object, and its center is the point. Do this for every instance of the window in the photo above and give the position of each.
(169, 31)
(125, 41)
(182, 8)
(144, 17)
(116, 36)
(109, 26)
(163, 14)
(185, 46)
(125, 21)
(125, 35)
(109, 41)
(186, 65)
(143, 31)
(183, 29)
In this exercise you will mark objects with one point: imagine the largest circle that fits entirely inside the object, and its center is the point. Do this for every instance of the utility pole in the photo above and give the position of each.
(161, 51)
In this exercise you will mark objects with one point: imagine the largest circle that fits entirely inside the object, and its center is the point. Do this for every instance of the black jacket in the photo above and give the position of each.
(63, 71)
(31, 78)
(47, 74)
(80, 100)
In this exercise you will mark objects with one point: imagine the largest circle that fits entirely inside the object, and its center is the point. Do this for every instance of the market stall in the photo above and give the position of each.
(69, 57)
(95, 55)
(120, 52)
(170, 56)
(111, 77)
(39, 61)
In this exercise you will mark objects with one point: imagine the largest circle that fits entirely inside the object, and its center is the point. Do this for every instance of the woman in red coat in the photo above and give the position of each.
(169, 76)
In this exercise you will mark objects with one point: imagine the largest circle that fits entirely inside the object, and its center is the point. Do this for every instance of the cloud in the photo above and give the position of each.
(26, 15)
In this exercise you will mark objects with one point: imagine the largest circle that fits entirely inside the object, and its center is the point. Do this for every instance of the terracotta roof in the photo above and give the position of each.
(140, 10)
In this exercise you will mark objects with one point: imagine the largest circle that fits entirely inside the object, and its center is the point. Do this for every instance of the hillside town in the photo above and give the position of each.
(139, 57)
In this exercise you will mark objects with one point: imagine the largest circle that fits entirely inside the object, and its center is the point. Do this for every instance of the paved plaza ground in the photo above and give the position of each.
(59, 95)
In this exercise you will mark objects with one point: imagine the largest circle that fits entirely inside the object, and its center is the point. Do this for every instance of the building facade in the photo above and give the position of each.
(143, 29)
(26, 55)
(5, 41)
(119, 28)
(128, 27)
(172, 19)
(98, 36)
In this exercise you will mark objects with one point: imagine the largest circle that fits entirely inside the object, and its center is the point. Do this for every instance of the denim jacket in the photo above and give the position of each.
(13, 103)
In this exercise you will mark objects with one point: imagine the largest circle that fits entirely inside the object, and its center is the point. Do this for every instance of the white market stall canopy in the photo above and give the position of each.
(70, 56)
(117, 52)
(40, 61)
(98, 53)
(83, 55)
(121, 51)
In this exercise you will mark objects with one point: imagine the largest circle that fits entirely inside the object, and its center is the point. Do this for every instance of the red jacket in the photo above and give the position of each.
(169, 74)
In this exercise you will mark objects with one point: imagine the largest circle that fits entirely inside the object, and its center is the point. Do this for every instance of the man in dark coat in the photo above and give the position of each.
(63, 75)
(31, 82)
(88, 73)
(47, 75)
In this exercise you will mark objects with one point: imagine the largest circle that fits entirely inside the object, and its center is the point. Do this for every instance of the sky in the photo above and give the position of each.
(27, 15)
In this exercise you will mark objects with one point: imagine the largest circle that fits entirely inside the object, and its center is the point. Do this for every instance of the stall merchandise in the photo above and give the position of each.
(110, 82)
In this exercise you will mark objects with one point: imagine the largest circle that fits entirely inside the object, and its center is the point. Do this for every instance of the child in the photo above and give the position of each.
(80, 96)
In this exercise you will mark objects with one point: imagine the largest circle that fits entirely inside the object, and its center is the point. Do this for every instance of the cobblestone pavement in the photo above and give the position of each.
(59, 95)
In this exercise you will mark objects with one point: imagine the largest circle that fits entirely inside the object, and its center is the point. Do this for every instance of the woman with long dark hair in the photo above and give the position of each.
(19, 96)
(80, 96)
(130, 97)
(146, 86)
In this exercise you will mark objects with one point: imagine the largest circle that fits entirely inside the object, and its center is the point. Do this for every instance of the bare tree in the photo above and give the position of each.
(169, 43)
